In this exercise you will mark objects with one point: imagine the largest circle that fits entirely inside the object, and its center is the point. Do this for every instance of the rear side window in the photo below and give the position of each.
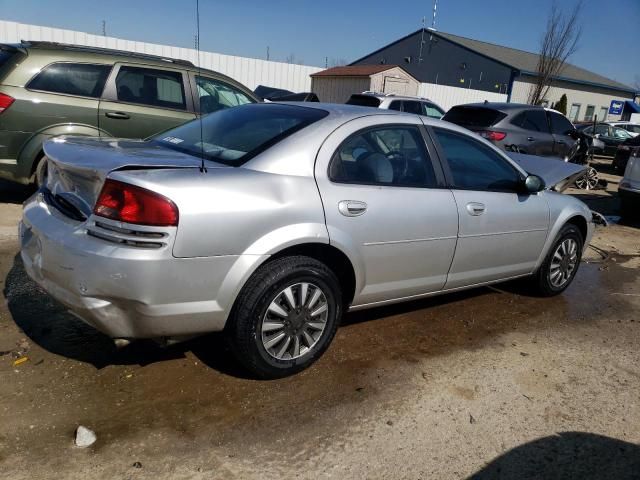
(560, 125)
(412, 107)
(475, 166)
(474, 116)
(390, 155)
(534, 120)
(396, 105)
(157, 88)
(364, 101)
(82, 79)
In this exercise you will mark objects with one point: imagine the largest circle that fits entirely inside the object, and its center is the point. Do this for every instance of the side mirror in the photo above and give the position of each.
(534, 184)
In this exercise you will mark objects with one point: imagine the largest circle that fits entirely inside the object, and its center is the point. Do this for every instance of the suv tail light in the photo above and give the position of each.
(493, 136)
(128, 203)
(5, 102)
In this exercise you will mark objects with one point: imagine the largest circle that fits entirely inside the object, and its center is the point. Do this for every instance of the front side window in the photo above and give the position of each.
(431, 110)
(390, 155)
(475, 166)
(214, 95)
(620, 133)
(559, 124)
(234, 135)
(147, 86)
(82, 79)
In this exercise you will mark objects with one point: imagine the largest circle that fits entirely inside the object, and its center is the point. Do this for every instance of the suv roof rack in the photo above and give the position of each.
(106, 51)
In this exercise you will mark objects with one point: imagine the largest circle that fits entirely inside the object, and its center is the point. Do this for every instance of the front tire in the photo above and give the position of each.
(561, 263)
(285, 317)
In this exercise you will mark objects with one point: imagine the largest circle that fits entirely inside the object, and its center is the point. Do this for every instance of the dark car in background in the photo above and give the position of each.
(626, 149)
(49, 89)
(517, 127)
(611, 136)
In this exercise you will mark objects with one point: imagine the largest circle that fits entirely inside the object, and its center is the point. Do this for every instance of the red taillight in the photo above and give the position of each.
(5, 102)
(493, 136)
(128, 203)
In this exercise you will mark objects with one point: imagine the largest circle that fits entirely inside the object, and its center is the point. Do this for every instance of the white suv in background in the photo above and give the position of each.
(417, 105)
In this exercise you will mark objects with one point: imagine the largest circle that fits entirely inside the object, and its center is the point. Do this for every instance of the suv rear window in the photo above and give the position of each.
(234, 135)
(474, 116)
(364, 101)
(82, 79)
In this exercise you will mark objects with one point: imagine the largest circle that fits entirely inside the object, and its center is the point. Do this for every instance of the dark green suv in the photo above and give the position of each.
(49, 89)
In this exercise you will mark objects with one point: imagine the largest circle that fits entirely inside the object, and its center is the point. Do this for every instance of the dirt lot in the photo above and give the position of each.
(490, 383)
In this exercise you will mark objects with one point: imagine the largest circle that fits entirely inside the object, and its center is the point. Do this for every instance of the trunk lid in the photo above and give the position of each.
(78, 166)
(556, 173)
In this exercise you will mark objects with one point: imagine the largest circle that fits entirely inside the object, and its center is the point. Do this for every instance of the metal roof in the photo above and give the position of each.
(353, 71)
(527, 62)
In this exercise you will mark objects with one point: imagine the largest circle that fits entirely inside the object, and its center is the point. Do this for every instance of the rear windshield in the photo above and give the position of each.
(364, 101)
(232, 136)
(473, 116)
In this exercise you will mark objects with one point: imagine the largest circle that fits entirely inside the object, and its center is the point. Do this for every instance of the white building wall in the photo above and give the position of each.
(576, 94)
(448, 97)
(248, 71)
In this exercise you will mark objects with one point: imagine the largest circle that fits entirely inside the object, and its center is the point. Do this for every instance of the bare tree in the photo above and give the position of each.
(338, 62)
(559, 42)
(291, 58)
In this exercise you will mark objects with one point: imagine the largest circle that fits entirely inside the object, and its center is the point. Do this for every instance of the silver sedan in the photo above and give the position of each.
(268, 221)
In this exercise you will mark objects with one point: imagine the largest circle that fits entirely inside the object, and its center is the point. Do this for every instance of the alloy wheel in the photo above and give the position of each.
(563, 262)
(589, 180)
(294, 321)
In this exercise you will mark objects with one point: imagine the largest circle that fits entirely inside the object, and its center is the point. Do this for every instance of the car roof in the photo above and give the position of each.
(502, 106)
(392, 96)
(347, 112)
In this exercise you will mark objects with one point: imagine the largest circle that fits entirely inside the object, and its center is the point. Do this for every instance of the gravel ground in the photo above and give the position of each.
(490, 383)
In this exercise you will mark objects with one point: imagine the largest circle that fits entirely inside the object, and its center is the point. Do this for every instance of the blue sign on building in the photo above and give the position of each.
(616, 107)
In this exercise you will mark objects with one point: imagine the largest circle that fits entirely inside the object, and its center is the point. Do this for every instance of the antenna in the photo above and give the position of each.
(421, 40)
(203, 169)
(435, 10)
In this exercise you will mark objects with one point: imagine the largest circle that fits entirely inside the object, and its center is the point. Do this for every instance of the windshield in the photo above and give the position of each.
(232, 136)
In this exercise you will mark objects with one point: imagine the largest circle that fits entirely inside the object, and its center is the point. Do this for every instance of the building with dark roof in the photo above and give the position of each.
(452, 69)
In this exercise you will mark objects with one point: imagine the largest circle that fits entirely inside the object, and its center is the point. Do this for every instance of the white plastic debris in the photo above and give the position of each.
(85, 437)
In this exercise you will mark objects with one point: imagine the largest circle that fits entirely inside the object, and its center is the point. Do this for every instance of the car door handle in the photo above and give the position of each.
(118, 115)
(531, 139)
(352, 208)
(475, 208)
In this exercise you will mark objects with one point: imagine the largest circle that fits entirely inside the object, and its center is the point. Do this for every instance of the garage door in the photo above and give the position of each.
(397, 86)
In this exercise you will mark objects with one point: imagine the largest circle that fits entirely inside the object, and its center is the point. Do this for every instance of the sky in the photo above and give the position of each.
(313, 31)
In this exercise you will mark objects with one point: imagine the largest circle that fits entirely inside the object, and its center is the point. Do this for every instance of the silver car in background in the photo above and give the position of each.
(268, 221)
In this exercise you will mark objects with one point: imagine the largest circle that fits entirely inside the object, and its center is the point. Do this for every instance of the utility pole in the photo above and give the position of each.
(196, 42)
(104, 28)
(326, 62)
(267, 52)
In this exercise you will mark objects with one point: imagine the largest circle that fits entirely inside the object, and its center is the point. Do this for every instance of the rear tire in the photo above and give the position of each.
(561, 264)
(281, 300)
